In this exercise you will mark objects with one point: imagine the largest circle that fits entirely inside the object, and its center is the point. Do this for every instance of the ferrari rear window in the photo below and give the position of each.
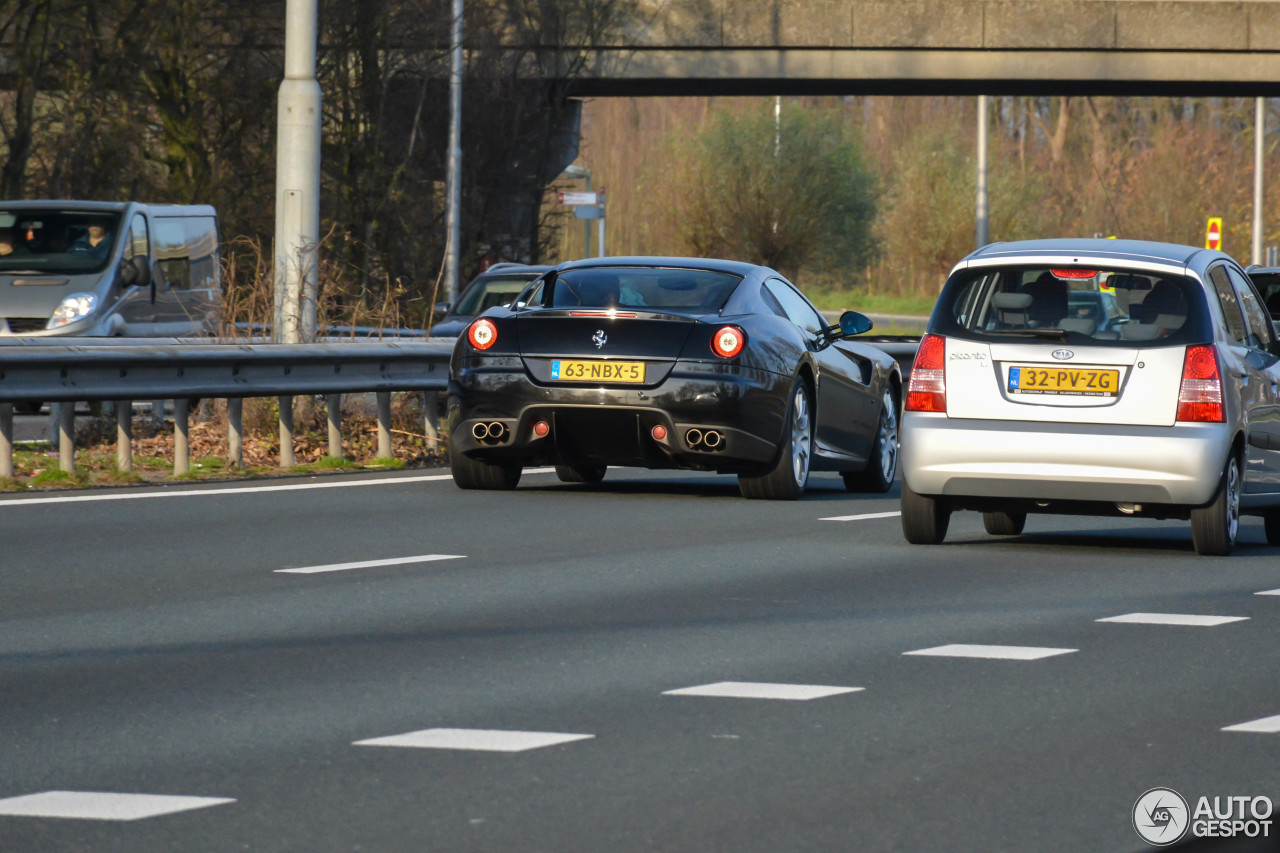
(641, 288)
(1105, 306)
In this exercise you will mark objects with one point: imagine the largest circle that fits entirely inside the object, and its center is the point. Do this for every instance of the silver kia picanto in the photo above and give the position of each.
(1095, 377)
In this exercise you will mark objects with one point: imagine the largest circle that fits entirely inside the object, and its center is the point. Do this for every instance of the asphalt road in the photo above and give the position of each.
(153, 646)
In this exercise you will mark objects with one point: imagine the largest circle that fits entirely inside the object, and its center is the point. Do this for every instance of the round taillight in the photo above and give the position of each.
(728, 341)
(659, 432)
(541, 428)
(482, 334)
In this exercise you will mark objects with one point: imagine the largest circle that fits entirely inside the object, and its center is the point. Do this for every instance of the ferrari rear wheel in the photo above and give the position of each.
(471, 473)
(580, 473)
(790, 474)
(882, 464)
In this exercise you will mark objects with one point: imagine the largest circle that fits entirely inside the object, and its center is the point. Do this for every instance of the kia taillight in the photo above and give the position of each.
(1200, 397)
(482, 334)
(927, 388)
(728, 341)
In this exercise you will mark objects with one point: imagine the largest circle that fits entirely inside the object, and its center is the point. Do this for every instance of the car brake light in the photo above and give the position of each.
(1200, 397)
(1072, 273)
(482, 334)
(728, 341)
(927, 388)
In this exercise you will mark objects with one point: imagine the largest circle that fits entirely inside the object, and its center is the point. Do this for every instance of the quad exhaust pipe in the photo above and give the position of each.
(492, 431)
(704, 439)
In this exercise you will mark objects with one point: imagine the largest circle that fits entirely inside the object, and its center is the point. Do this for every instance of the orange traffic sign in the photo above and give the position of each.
(1213, 234)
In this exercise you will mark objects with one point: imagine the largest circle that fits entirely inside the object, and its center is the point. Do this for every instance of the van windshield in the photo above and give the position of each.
(56, 242)
(1110, 307)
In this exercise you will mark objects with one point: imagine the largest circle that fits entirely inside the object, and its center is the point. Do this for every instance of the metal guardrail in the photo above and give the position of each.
(118, 370)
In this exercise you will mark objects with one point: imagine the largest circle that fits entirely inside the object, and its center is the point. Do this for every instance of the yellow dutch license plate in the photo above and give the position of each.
(1074, 381)
(597, 371)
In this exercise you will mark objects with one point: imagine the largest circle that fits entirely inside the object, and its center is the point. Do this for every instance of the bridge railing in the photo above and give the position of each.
(121, 371)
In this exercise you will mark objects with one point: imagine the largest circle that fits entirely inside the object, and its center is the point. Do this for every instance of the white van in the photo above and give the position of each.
(87, 268)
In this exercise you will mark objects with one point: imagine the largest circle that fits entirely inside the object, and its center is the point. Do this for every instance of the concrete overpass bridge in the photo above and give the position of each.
(1043, 47)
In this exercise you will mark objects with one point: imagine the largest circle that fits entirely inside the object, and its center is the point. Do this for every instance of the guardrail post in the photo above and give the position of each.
(384, 425)
(124, 436)
(181, 438)
(235, 432)
(333, 402)
(6, 439)
(286, 433)
(431, 418)
(67, 436)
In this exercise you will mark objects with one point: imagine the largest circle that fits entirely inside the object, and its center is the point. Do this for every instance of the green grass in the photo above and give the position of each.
(334, 463)
(58, 477)
(9, 484)
(384, 464)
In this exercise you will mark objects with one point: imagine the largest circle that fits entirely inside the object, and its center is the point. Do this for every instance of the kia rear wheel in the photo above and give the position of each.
(1214, 527)
(1004, 523)
(924, 519)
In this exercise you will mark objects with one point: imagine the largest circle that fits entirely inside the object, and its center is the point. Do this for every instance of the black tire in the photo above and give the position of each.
(29, 407)
(1271, 523)
(882, 464)
(786, 480)
(580, 473)
(1004, 523)
(471, 473)
(1214, 527)
(924, 519)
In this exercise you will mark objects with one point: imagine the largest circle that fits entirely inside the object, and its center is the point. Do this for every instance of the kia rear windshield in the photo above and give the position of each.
(641, 288)
(1114, 307)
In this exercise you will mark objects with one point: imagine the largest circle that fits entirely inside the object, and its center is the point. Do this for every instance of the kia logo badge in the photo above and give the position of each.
(1063, 354)
(600, 338)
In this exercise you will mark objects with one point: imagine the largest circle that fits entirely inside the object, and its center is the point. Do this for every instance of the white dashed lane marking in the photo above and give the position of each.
(757, 690)
(864, 517)
(485, 740)
(960, 650)
(369, 564)
(1174, 619)
(1267, 725)
(93, 805)
(1268, 592)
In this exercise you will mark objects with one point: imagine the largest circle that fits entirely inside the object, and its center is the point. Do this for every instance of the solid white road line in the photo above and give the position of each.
(758, 690)
(485, 740)
(864, 517)
(960, 650)
(1174, 619)
(92, 805)
(237, 490)
(1267, 725)
(1268, 592)
(369, 564)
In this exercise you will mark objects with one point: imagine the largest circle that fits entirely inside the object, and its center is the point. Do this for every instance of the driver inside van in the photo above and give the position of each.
(10, 244)
(93, 242)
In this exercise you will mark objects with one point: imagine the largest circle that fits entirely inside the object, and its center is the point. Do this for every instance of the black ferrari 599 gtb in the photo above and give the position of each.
(684, 363)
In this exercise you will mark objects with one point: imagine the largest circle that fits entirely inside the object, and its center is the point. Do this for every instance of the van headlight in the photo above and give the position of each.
(77, 306)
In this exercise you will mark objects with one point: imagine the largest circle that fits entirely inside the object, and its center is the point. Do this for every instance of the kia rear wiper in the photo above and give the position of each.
(1053, 334)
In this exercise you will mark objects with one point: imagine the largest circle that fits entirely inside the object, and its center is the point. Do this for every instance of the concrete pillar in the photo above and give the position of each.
(181, 437)
(384, 425)
(333, 403)
(6, 439)
(286, 433)
(67, 437)
(235, 432)
(124, 436)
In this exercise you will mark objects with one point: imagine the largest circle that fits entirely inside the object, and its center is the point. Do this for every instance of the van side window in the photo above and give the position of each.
(202, 247)
(138, 245)
(1230, 305)
(171, 253)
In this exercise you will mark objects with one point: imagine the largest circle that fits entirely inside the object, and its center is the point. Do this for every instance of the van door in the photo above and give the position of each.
(201, 302)
(135, 306)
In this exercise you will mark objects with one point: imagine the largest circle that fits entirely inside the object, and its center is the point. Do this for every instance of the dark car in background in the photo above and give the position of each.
(497, 285)
(1267, 281)
(682, 363)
